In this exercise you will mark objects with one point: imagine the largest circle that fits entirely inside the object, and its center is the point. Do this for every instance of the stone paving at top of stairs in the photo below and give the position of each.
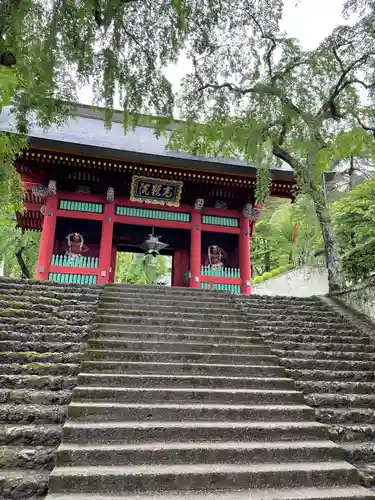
(336, 372)
(177, 399)
(42, 329)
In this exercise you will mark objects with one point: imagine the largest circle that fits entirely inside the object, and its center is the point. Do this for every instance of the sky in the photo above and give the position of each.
(308, 20)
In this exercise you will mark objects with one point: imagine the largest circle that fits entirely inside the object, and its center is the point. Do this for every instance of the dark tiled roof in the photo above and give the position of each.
(86, 134)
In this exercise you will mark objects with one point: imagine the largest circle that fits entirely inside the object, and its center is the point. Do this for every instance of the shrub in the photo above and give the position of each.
(275, 272)
(258, 279)
(267, 276)
(359, 263)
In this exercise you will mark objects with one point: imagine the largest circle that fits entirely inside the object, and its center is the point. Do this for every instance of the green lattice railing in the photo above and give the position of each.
(81, 206)
(220, 221)
(223, 272)
(146, 213)
(222, 287)
(75, 279)
(76, 261)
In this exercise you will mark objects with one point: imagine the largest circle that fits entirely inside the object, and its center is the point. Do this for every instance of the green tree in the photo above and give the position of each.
(354, 214)
(255, 92)
(140, 269)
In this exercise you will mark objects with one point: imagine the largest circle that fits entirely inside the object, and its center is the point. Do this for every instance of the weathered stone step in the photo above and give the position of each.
(131, 335)
(30, 435)
(50, 320)
(25, 396)
(345, 415)
(162, 346)
(328, 355)
(367, 474)
(19, 484)
(342, 400)
(34, 314)
(344, 433)
(229, 370)
(155, 299)
(334, 375)
(96, 412)
(278, 330)
(334, 493)
(295, 322)
(324, 364)
(35, 300)
(176, 320)
(141, 432)
(201, 307)
(359, 453)
(181, 357)
(32, 414)
(40, 368)
(245, 330)
(292, 317)
(61, 338)
(336, 387)
(45, 347)
(203, 452)
(186, 395)
(34, 328)
(192, 381)
(317, 346)
(200, 476)
(177, 312)
(312, 337)
(40, 382)
(38, 458)
(37, 357)
(280, 299)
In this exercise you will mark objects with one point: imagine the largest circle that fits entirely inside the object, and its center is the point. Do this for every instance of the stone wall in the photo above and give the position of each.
(301, 282)
(360, 298)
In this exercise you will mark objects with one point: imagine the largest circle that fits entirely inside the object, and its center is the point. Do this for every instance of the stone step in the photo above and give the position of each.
(176, 321)
(61, 338)
(342, 400)
(359, 453)
(26, 396)
(108, 343)
(324, 364)
(328, 355)
(180, 357)
(308, 314)
(345, 416)
(107, 411)
(54, 300)
(177, 312)
(278, 330)
(39, 458)
(62, 319)
(187, 368)
(34, 314)
(331, 387)
(186, 395)
(317, 346)
(198, 453)
(331, 375)
(32, 414)
(271, 321)
(126, 335)
(334, 493)
(20, 484)
(244, 331)
(33, 328)
(367, 474)
(40, 347)
(30, 435)
(39, 382)
(37, 357)
(193, 381)
(345, 433)
(201, 308)
(313, 337)
(40, 368)
(162, 299)
(197, 477)
(292, 318)
(141, 432)
(160, 290)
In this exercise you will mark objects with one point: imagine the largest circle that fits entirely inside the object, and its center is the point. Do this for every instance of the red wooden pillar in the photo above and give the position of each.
(47, 240)
(105, 252)
(195, 250)
(244, 255)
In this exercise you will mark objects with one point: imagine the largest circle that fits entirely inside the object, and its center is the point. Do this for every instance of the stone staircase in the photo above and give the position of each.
(179, 397)
(332, 361)
(42, 328)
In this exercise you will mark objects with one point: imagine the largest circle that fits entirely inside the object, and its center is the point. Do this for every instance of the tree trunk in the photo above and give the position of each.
(331, 247)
